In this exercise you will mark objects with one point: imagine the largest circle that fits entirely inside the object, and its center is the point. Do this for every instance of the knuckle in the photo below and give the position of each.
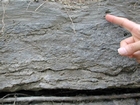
(130, 48)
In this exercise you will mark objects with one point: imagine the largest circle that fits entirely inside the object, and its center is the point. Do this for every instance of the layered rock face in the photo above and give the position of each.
(49, 45)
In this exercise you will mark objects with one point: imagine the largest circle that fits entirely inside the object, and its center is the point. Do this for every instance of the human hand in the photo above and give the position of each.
(130, 46)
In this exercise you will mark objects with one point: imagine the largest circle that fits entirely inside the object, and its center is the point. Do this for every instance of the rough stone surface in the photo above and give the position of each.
(62, 46)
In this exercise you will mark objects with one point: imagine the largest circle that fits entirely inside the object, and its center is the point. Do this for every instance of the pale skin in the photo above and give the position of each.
(129, 47)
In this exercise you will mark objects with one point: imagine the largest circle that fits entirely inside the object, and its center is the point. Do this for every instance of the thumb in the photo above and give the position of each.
(129, 49)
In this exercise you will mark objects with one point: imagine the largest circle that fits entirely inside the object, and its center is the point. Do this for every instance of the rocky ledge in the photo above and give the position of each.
(51, 45)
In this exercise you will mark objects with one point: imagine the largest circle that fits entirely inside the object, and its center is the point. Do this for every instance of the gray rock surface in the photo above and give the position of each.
(62, 46)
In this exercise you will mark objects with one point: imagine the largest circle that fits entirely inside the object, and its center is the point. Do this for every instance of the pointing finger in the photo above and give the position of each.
(127, 24)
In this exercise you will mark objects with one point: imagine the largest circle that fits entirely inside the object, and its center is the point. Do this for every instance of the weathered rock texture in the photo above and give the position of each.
(62, 46)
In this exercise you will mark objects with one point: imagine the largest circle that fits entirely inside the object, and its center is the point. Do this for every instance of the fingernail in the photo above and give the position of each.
(122, 51)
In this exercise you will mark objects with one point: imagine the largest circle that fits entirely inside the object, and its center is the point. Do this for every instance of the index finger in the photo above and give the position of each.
(127, 24)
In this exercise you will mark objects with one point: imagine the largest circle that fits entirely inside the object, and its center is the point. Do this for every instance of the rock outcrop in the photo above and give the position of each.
(51, 45)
